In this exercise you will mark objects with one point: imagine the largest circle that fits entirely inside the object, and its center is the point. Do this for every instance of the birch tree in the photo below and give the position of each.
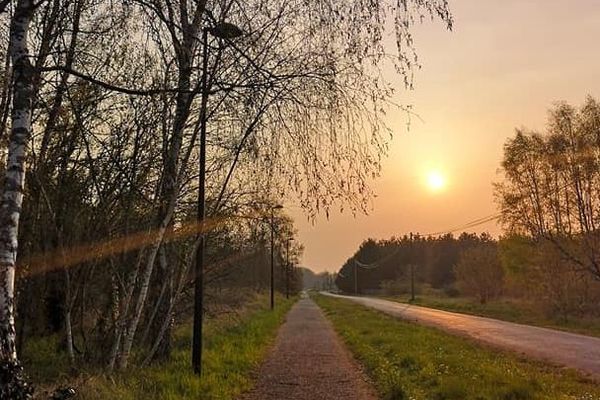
(550, 187)
(13, 385)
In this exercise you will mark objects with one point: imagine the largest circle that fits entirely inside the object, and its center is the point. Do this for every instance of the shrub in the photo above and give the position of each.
(479, 272)
(451, 291)
(396, 287)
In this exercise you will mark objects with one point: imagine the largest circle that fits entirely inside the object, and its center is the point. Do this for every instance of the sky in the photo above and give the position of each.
(503, 65)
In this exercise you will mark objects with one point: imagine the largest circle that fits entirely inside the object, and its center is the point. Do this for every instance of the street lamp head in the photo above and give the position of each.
(225, 30)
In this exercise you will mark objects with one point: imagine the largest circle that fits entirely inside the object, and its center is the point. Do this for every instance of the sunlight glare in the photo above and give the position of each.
(436, 181)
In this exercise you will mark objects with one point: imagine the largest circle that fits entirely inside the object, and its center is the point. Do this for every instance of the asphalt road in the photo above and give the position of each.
(561, 348)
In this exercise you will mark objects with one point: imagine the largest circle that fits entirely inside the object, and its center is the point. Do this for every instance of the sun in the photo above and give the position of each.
(436, 181)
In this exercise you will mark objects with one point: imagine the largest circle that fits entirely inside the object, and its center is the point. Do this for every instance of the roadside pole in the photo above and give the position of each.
(287, 269)
(412, 282)
(412, 270)
(355, 278)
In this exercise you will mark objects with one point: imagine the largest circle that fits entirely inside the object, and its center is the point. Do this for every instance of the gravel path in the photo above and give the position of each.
(563, 348)
(308, 362)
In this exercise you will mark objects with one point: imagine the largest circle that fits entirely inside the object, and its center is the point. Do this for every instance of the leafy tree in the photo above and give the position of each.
(479, 272)
(551, 181)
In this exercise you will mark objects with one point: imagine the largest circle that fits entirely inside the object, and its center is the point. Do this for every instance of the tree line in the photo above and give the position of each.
(388, 264)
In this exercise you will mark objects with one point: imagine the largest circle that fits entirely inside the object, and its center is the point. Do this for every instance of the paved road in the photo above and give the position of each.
(308, 361)
(561, 348)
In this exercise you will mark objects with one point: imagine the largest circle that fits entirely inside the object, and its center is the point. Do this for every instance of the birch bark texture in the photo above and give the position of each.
(12, 192)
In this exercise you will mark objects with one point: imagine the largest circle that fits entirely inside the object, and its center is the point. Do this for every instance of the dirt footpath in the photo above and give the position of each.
(309, 362)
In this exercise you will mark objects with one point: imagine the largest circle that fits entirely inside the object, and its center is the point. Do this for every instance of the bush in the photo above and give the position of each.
(479, 272)
(451, 291)
(561, 287)
(397, 287)
(556, 284)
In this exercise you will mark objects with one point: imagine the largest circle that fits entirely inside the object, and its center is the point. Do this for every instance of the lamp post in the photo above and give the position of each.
(226, 31)
(273, 208)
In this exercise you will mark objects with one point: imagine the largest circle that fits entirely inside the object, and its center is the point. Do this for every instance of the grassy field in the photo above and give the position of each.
(408, 361)
(234, 347)
(504, 309)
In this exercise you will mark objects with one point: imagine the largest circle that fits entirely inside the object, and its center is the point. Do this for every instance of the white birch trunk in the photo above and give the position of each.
(129, 333)
(167, 320)
(163, 289)
(120, 325)
(69, 337)
(68, 325)
(12, 194)
(168, 199)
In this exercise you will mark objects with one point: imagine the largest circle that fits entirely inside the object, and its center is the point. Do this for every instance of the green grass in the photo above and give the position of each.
(43, 362)
(505, 309)
(408, 361)
(234, 347)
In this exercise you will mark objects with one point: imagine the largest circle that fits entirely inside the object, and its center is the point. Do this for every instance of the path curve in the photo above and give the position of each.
(562, 348)
(308, 361)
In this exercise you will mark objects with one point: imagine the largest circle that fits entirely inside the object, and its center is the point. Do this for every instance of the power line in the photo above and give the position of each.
(374, 264)
(472, 224)
(491, 217)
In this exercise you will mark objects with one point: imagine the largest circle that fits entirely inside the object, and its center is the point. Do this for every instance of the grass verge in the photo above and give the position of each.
(234, 347)
(506, 310)
(408, 361)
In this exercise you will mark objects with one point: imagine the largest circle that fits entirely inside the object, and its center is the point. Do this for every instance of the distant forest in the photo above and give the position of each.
(386, 264)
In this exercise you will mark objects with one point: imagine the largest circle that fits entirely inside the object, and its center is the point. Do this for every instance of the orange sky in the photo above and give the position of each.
(502, 67)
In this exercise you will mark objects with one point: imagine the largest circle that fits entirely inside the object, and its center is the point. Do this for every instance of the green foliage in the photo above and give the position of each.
(519, 392)
(453, 389)
(538, 270)
(44, 360)
(515, 252)
(409, 361)
(234, 347)
(479, 273)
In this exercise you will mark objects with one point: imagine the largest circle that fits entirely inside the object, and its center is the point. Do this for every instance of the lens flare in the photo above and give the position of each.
(436, 181)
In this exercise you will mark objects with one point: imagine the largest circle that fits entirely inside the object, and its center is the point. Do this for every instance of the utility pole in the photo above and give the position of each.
(355, 278)
(412, 270)
(272, 261)
(273, 208)
(412, 282)
(287, 268)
